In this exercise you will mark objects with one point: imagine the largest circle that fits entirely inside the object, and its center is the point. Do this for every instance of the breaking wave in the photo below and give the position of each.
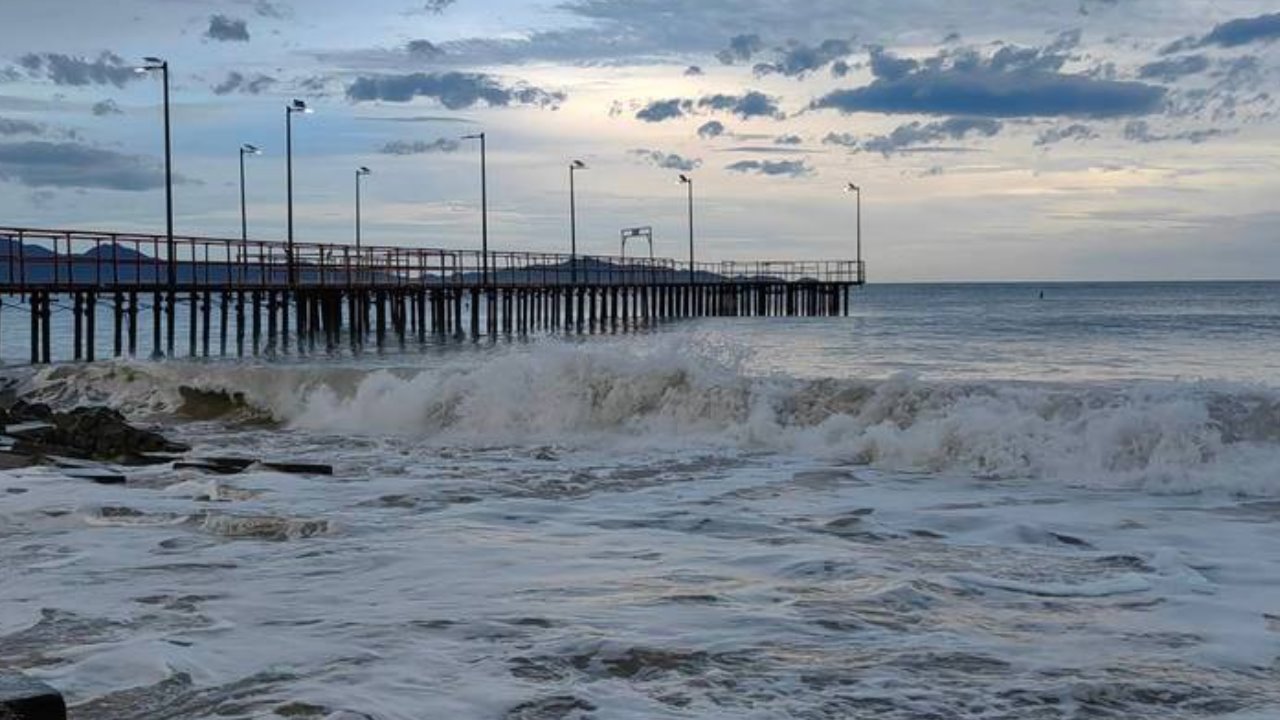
(1158, 435)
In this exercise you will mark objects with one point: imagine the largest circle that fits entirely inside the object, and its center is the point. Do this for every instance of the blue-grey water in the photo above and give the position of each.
(1031, 501)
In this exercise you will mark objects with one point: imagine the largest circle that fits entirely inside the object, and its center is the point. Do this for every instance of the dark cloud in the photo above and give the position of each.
(1172, 69)
(848, 140)
(915, 134)
(693, 71)
(1012, 82)
(1233, 33)
(788, 140)
(72, 165)
(840, 68)
(713, 129)
(419, 147)
(227, 29)
(272, 10)
(797, 59)
(106, 107)
(423, 49)
(454, 90)
(741, 49)
(437, 7)
(107, 69)
(9, 126)
(660, 110)
(666, 161)
(786, 168)
(887, 66)
(746, 106)
(1076, 132)
(1140, 131)
(238, 83)
(1243, 31)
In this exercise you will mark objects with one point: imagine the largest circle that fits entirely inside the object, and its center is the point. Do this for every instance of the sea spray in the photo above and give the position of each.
(1164, 436)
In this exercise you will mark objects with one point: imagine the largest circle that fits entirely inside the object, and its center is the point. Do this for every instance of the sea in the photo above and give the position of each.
(967, 501)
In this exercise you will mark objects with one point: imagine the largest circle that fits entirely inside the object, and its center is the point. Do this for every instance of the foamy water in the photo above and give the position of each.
(722, 519)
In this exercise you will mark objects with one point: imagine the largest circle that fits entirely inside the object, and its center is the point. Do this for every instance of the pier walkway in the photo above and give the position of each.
(238, 297)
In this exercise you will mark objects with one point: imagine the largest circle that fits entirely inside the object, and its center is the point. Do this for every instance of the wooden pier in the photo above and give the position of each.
(231, 297)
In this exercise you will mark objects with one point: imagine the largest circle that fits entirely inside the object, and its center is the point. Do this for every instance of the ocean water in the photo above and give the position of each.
(964, 501)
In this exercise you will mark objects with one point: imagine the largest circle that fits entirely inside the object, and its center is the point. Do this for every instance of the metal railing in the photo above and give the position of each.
(76, 259)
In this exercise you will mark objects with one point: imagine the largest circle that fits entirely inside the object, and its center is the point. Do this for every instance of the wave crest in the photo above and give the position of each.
(1164, 436)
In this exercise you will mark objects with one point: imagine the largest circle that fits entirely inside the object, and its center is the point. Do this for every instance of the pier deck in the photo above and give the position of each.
(238, 297)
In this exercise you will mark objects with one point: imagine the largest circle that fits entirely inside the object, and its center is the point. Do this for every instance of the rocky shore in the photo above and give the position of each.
(95, 442)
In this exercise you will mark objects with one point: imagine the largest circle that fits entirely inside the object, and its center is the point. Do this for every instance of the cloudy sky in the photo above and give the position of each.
(995, 139)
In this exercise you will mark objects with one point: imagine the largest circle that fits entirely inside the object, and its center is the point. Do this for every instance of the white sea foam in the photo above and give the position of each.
(1163, 436)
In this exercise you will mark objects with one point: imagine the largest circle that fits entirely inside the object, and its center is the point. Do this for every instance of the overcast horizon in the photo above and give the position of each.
(1062, 140)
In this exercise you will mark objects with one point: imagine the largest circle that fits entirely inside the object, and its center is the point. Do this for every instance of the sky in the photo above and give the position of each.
(993, 139)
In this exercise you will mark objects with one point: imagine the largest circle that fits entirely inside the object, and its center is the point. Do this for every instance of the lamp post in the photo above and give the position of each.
(245, 149)
(484, 210)
(686, 180)
(154, 64)
(297, 106)
(361, 172)
(574, 166)
(857, 190)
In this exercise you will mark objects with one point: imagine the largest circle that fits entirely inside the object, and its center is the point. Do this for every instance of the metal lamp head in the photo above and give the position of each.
(476, 136)
(852, 188)
(686, 180)
(248, 149)
(298, 106)
(364, 171)
(152, 63)
(578, 165)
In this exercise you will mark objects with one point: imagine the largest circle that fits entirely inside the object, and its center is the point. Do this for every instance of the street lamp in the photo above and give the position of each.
(154, 64)
(484, 210)
(245, 149)
(686, 180)
(297, 106)
(857, 190)
(362, 171)
(574, 166)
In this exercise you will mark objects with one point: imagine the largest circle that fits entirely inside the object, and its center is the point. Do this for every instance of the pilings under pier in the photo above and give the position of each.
(89, 295)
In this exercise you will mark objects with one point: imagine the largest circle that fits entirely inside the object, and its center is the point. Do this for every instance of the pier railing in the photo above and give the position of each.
(77, 259)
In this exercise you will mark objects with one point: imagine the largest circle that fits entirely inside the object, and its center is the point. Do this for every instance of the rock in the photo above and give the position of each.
(215, 465)
(88, 433)
(103, 432)
(100, 476)
(22, 411)
(298, 468)
(15, 461)
(22, 698)
(31, 430)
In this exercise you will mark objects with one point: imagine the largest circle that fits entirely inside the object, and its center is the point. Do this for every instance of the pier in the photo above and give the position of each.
(218, 297)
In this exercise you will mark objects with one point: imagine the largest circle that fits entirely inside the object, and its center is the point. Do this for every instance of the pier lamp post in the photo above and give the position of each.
(155, 64)
(574, 166)
(245, 149)
(484, 210)
(857, 190)
(686, 180)
(361, 172)
(298, 107)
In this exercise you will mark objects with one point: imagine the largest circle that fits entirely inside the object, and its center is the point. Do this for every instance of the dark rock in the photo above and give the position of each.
(559, 707)
(86, 433)
(23, 411)
(104, 433)
(22, 698)
(216, 465)
(299, 468)
(15, 461)
(100, 476)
